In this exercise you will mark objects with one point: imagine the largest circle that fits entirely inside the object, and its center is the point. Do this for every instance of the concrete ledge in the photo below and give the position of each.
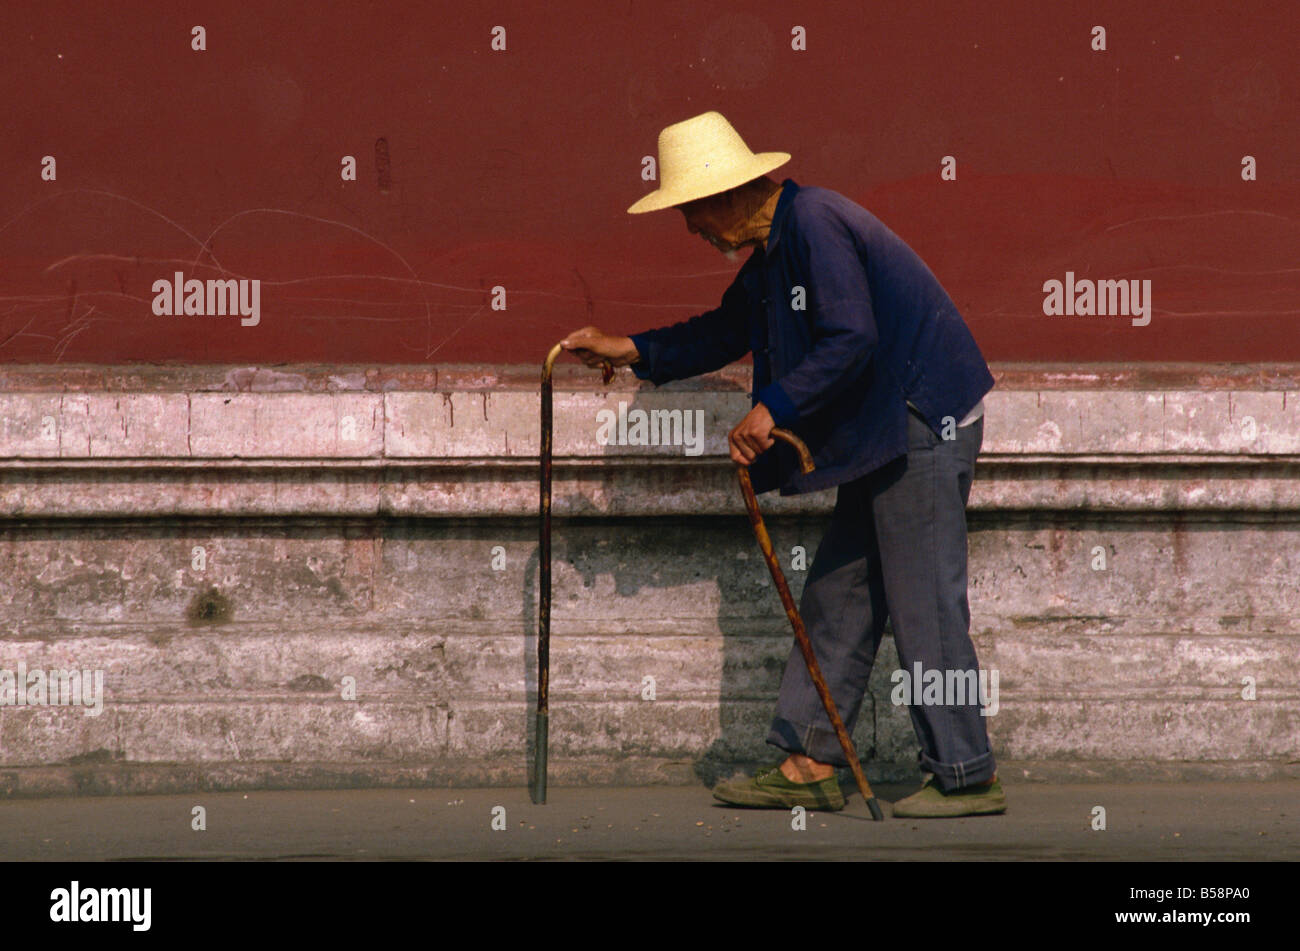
(464, 450)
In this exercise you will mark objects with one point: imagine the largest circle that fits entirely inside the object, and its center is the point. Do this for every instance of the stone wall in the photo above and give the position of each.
(229, 546)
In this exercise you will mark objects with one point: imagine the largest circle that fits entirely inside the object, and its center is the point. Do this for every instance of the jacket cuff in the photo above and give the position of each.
(642, 367)
(778, 404)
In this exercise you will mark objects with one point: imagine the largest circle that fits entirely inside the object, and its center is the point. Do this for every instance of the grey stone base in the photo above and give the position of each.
(231, 571)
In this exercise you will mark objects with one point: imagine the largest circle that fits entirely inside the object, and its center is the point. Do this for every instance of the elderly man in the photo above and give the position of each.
(860, 351)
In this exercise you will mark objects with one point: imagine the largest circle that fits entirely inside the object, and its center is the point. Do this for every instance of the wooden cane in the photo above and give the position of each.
(541, 726)
(801, 635)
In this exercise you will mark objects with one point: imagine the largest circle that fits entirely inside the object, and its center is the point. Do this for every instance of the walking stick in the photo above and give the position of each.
(801, 635)
(541, 727)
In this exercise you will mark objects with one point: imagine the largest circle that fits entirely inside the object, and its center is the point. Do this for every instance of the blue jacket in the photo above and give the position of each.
(874, 330)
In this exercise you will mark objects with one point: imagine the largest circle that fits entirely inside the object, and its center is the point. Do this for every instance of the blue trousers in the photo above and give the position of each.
(896, 549)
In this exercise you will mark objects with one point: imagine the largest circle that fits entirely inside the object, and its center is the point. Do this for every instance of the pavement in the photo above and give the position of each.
(1224, 821)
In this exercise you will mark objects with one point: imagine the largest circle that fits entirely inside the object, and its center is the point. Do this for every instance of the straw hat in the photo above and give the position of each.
(703, 156)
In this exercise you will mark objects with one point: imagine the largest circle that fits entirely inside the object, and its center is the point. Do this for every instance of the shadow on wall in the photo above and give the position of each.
(661, 568)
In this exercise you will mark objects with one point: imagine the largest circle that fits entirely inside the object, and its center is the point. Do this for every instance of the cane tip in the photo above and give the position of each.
(874, 805)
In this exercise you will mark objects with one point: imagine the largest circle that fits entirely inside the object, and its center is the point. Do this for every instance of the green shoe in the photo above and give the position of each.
(931, 803)
(769, 789)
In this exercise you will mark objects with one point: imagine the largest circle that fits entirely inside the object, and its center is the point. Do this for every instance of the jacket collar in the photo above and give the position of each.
(788, 189)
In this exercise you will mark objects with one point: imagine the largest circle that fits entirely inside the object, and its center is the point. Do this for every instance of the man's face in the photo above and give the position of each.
(713, 219)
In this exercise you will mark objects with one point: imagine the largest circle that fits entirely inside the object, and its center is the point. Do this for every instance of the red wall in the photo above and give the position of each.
(516, 168)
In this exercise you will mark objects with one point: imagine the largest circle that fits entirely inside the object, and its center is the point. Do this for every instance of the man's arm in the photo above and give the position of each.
(842, 323)
(701, 344)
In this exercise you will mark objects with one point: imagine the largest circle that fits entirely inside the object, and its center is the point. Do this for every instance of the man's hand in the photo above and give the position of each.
(752, 436)
(593, 347)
